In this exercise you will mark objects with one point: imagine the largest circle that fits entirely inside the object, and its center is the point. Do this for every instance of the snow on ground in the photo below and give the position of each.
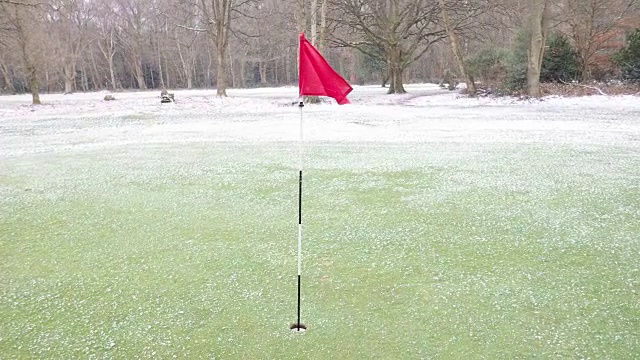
(425, 114)
(502, 248)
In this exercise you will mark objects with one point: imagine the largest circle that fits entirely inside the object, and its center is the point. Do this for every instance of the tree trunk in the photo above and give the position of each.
(232, 71)
(112, 74)
(390, 78)
(276, 72)
(27, 52)
(69, 77)
(209, 66)
(153, 79)
(241, 71)
(47, 82)
(287, 67)
(108, 52)
(32, 74)
(220, 36)
(585, 71)
(395, 71)
(33, 84)
(142, 85)
(353, 73)
(167, 79)
(94, 77)
(160, 70)
(262, 66)
(221, 63)
(398, 86)
(323, 25)
(538, 32)
(314, 22)
(7, 78)
(394, 52)
(301, 25)
(186, 66)
(455, 47)
(85, 79)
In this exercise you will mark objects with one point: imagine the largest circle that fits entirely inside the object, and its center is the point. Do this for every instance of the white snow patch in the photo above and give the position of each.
(425, 114)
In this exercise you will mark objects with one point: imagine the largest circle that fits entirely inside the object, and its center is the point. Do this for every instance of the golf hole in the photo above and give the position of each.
(298, 328)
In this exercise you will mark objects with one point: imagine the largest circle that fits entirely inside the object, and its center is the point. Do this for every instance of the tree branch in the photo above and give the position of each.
(586, 86)
(192, 29)
(15, 2)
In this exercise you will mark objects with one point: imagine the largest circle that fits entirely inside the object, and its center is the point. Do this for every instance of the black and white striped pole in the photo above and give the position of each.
(299, 327)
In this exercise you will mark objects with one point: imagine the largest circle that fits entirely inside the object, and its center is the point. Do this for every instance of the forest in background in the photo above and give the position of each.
(508, 45)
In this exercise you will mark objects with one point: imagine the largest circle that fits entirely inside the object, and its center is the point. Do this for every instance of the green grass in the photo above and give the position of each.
(411, 251)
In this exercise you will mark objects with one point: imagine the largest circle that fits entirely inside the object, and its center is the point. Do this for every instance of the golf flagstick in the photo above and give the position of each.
(315, 78)
(298, 326)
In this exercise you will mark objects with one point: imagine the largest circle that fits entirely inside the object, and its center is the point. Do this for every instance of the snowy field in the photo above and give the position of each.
(425, 115)
(436, 226)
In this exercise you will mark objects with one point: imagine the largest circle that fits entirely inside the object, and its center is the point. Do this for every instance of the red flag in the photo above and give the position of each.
(317, 78)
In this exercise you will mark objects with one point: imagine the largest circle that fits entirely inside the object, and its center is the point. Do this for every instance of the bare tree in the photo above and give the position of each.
(158, 41)
(217, 16)
(455, 47)
(269, 49)
(107, 45)
(6, 45)
(133, 16)
(6, 74)
(593, 24)
(64, 45)
(187, 52)
(400, 30)
(23, 21)
(70, 25)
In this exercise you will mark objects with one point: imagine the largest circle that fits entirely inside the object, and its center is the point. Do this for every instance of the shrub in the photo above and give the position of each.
(560, 61)
(516, 63)
(628, 58)
(488, 65)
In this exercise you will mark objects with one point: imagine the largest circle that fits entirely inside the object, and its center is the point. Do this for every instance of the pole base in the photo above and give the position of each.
(298, 328)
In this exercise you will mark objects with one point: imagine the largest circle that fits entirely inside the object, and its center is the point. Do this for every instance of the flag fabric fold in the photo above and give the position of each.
(317, 77)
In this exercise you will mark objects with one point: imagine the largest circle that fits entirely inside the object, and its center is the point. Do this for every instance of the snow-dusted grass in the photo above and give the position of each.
(435, 227)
